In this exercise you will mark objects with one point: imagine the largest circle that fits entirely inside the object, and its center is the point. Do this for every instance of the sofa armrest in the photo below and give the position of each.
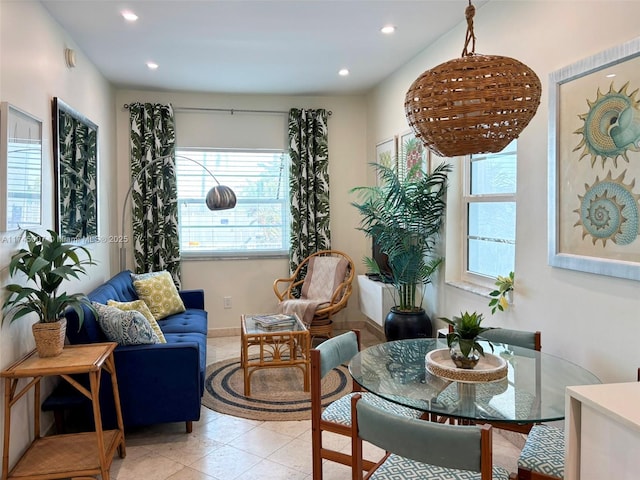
(159, 383)
(193, 298)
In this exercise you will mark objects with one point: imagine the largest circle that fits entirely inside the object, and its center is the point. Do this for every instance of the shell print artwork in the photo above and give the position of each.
(609, 211)
(611, 126)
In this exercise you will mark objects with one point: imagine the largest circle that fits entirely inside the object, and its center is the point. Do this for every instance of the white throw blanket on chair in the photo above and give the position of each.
(324, 275)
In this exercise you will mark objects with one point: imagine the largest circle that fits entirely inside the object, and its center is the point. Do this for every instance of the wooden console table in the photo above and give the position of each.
(72, 455)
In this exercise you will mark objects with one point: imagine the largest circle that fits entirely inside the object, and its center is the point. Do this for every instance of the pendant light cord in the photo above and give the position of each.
(469, 12)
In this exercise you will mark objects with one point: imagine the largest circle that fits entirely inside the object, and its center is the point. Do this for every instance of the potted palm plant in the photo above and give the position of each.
(45, 264)
(463, 339)
(404, 214)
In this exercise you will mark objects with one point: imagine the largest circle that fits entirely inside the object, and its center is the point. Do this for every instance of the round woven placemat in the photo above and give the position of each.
(276, 393)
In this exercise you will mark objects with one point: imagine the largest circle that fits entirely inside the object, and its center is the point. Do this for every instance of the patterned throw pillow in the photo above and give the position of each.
(159, 293)
(140, 306)
(125, 328)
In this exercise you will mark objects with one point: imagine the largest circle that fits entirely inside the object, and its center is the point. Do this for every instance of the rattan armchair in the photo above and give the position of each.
(292, 292)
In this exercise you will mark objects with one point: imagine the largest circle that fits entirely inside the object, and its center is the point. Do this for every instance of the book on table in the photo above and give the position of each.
(275, 320)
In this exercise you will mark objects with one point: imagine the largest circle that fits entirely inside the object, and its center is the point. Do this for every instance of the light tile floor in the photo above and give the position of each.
(222, 447)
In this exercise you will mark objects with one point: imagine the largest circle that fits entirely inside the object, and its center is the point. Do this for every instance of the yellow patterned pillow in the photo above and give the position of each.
(159, 293)
(140, 306)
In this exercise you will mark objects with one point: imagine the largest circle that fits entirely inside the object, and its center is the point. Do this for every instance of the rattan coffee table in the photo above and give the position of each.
(280, 347)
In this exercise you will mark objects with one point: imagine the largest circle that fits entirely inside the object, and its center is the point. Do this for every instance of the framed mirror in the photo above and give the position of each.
(21, 167)
(75, 152)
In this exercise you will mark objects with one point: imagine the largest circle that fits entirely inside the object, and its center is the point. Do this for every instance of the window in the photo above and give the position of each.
(490, 206)
(258, 225)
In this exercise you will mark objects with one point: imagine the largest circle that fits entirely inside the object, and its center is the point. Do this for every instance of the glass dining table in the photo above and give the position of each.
(532, 391)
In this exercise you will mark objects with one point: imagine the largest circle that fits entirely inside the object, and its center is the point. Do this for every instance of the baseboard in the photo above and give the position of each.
(223, 332)
(368, 325)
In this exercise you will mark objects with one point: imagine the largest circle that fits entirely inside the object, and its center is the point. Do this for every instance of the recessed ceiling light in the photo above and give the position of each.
(129, 16)
(343, 72)
(610, 75)
(152, 65)
(388, 29)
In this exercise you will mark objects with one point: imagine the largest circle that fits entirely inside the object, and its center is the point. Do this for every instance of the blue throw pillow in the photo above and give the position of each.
(125, 327)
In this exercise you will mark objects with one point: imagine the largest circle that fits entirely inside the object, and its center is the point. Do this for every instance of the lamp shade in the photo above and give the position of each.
(474, 104)
(221, 197)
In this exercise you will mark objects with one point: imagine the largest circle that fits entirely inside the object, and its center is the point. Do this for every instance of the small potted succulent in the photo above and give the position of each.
(463, 339)
(45, 264)
(503, 295)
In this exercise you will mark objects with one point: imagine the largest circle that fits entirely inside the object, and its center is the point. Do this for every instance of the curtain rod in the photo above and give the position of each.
(228, 110)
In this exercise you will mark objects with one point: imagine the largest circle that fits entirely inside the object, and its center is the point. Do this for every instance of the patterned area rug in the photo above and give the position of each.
(276, 393)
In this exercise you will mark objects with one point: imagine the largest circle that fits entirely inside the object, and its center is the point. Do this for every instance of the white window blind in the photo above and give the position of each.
(258, 225)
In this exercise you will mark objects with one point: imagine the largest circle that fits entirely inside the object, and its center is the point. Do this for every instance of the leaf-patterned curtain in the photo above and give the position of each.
(155, 193)
(309, 183)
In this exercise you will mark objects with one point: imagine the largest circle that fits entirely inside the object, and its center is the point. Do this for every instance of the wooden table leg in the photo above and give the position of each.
(110, 366)
(7, 427)
(94, 380)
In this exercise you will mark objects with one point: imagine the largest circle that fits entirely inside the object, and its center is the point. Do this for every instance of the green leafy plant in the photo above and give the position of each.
(467, 331)
(499, 300)
(404, 216)
(46, 263)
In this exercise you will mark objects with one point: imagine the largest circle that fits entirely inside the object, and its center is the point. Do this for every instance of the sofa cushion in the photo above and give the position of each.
(140, 306)
(159, 293)
(124, 327)
(190, 321)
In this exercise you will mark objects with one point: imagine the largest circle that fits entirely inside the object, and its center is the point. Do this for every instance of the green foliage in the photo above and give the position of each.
(405, 216)
(46, 263)
(467, 331)
(499, 300)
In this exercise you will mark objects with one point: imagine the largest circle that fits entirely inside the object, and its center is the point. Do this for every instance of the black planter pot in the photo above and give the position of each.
(399, 325)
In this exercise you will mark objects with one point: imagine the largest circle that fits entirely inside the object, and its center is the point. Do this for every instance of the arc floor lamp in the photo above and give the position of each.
(219, 197)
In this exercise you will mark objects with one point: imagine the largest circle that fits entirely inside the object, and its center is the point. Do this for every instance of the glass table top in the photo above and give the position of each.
(532, 391)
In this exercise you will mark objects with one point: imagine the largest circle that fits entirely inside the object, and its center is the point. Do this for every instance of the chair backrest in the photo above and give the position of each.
(444, 445)
(519, 338)
(324, 272)
(324, 275)
(337, 351)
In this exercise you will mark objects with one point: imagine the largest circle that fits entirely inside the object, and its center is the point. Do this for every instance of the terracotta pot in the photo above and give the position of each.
(50, 337)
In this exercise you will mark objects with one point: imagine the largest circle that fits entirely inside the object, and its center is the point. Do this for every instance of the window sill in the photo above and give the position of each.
(198, 256)
(474, 288)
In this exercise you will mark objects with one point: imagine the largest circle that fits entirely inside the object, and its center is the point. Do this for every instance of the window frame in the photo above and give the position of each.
(467, 199)
(237, 254)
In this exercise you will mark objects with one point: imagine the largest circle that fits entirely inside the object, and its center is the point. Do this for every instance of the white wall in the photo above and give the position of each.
(589, 319)
(32, 72)
(249, 282)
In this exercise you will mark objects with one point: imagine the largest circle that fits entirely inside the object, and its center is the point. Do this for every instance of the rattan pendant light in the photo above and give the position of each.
(474, 104)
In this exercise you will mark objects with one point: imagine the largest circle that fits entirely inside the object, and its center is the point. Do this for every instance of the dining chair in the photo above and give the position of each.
(336, 417)
(524, 339)
(318, 289)
(420, 449)
(542, 457)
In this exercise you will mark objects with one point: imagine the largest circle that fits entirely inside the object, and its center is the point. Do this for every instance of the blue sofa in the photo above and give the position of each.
(158, 383)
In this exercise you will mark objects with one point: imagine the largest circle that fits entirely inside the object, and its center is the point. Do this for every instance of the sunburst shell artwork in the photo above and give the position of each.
(594, 163)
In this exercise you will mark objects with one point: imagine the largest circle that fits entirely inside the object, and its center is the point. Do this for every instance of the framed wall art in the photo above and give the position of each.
(594, 164)
(75, 148)
(387, 153)
(412, 152)
(21, 167)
